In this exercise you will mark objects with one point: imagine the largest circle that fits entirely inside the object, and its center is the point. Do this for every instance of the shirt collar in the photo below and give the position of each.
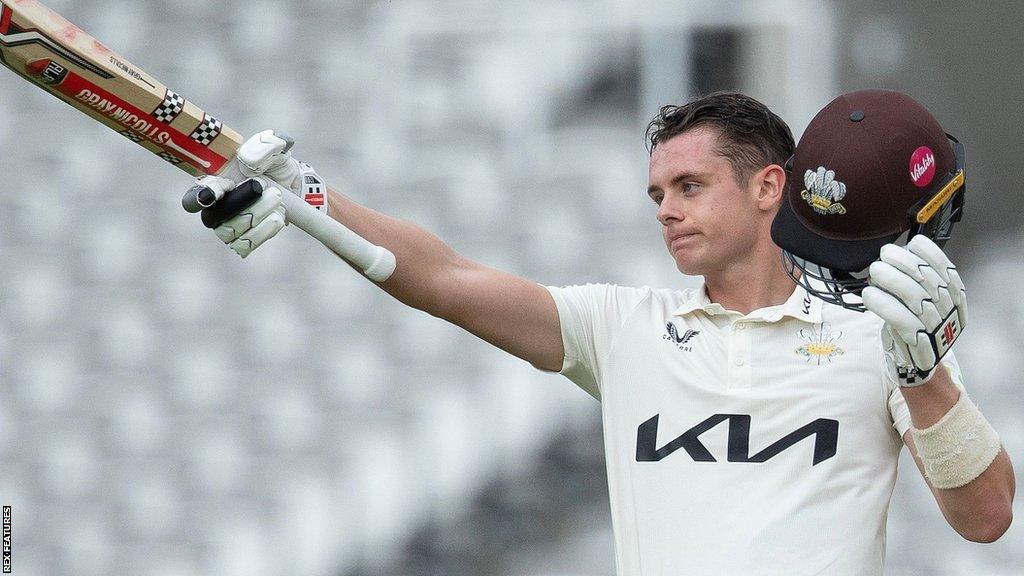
(800, 305)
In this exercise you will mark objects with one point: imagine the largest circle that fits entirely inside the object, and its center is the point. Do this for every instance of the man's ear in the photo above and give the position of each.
(770, 186)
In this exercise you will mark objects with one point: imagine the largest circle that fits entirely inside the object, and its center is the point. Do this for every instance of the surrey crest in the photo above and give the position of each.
(820, 343)
(823, 192)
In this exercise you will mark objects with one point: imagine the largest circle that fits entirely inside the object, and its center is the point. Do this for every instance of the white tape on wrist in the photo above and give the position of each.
(957, 448)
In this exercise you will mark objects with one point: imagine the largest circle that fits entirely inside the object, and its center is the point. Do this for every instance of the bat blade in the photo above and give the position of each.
(42, 47)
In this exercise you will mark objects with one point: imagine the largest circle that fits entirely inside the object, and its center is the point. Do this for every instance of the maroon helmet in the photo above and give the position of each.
(872, 166)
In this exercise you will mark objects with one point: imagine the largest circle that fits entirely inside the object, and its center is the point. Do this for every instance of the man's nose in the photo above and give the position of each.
(669, 211)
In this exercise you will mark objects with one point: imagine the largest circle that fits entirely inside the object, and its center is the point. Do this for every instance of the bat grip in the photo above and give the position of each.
(376, 262)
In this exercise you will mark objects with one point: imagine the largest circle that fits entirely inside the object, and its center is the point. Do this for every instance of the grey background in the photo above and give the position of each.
(168, 409)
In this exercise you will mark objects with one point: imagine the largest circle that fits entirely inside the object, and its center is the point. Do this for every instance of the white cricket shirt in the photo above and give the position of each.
(759, 444)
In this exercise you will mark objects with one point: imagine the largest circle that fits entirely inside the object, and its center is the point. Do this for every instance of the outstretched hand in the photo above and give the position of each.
(244, 206)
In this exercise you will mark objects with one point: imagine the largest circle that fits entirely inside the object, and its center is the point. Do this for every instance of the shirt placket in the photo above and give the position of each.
(739, 355)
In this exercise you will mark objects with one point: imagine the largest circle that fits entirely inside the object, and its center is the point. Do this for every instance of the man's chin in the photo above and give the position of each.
(688, 260)
(689, 267)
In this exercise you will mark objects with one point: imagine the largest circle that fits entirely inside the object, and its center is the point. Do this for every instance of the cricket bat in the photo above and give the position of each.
(44, 48)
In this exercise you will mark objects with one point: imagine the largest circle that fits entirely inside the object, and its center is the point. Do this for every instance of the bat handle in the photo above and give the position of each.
(376, 262)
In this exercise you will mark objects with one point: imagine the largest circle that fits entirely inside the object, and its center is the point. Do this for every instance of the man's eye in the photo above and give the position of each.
(690, 187)
(656, 198)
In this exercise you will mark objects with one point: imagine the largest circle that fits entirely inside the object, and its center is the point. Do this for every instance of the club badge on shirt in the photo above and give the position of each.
(820, 343)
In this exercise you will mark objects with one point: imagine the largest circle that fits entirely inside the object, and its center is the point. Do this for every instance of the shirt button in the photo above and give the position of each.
(739, 361)
(740, 326)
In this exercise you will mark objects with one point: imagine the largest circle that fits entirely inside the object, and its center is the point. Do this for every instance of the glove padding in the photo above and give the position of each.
(245, 205)
(918, 292)
(268, 153)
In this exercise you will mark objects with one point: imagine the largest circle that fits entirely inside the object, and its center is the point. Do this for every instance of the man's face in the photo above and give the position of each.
(708, 220)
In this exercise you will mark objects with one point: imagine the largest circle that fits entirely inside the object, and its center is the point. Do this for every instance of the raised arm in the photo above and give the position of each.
(980, 510)
(512, 313)
(921, 296)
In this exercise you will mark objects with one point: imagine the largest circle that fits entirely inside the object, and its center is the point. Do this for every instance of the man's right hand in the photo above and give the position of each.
(244, 205)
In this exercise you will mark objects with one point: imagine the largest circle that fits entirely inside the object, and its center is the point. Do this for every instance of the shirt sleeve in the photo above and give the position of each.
(898, 406)
(590, 317)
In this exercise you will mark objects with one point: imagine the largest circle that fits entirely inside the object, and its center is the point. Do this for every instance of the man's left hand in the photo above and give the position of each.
(920, 295)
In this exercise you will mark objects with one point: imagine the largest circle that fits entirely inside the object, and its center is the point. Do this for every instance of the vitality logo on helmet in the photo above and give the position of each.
(922, 166)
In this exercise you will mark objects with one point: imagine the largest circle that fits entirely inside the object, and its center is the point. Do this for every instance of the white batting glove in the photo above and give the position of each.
(268, 153)
(244, 204)
(920, 295)
(246, 215)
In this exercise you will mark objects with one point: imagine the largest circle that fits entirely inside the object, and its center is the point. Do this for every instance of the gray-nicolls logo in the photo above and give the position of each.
(680, 340)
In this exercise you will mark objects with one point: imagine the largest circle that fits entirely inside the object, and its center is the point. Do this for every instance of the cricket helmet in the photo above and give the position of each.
(873, 167)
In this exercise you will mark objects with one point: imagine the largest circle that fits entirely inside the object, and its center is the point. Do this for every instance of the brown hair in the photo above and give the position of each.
(750, 135)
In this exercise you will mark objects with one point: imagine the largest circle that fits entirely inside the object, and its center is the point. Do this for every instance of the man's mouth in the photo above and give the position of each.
(677, 239)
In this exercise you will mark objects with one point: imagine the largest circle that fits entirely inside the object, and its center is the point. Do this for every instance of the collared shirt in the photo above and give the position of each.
(762, 443)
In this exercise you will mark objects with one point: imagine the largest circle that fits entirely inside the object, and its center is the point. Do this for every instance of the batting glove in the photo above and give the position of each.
(244, 205)
(920, 295)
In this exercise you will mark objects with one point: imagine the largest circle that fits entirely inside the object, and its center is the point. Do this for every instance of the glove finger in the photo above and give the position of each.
(905, 288)
(903, 260)
(921, 352)
(930, 252)
(936, 290)
(256, 236)
(959, 295)
(919, 356)
(892, 280)
(205, 192)
(227, 233)
(953, 284)
(938, 295)
(249, 217)
(897, 347)
(894, 312)
(952, 288)
(943, 304)
(926, 276)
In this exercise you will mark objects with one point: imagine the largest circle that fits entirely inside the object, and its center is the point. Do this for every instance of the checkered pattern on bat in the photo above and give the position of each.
(131, 136)
(207, 131)
(169, 109)
(170, 158)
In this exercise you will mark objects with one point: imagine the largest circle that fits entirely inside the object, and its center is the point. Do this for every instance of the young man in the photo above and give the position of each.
(749, 428)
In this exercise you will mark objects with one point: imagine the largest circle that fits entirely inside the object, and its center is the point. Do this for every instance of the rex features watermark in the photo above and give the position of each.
(7, 539)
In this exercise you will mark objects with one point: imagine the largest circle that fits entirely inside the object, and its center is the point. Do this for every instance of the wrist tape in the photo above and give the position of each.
(957, 448)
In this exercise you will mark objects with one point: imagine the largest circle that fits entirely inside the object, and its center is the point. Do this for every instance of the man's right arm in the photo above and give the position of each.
(512, 313)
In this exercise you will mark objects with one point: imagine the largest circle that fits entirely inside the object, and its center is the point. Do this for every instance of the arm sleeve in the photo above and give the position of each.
(590, 317)
(898, 406)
